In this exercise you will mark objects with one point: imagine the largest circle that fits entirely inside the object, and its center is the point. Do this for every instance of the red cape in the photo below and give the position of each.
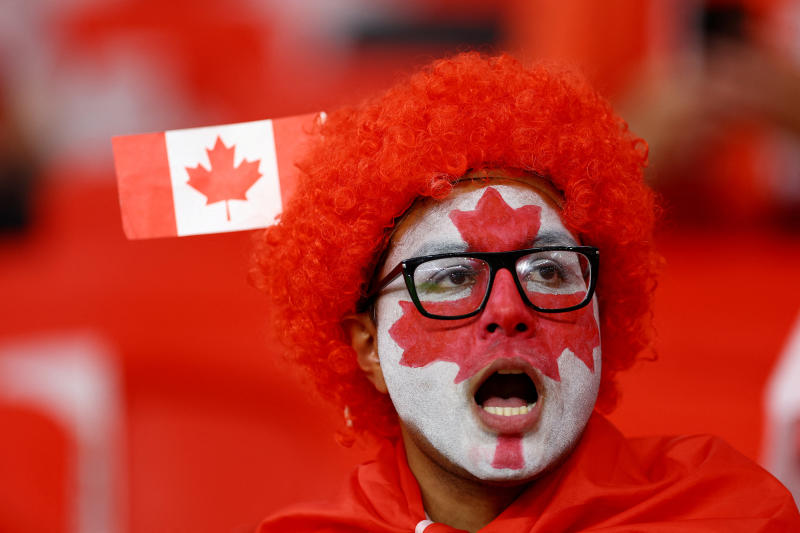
(608, 484)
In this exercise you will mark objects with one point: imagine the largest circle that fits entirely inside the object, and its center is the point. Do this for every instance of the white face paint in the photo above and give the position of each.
(434, 368)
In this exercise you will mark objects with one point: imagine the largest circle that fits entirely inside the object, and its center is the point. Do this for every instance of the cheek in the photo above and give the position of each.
(393, 357)
(577, 390)
(423, 341)
(425, 396)
(572, 399)
(580, 376)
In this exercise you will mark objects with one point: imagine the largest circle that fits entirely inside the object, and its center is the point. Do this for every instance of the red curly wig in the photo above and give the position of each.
(372, 161)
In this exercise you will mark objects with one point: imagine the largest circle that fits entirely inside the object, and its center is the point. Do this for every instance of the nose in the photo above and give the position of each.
(505, 312)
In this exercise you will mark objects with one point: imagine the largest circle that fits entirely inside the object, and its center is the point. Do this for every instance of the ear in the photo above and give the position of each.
(363, 334)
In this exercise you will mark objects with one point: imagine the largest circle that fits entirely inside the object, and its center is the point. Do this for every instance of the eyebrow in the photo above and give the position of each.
(554, 238)
(547, 238)
(439, 247)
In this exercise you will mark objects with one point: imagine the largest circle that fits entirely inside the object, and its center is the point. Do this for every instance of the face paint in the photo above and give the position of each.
(494, 226)
(508, 453)
(435, 368)
(425, 340)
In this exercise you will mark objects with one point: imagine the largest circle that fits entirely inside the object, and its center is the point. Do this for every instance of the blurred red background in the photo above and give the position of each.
(203, 426)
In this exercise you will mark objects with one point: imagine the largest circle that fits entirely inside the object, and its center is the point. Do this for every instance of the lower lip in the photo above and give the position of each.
(509, 425)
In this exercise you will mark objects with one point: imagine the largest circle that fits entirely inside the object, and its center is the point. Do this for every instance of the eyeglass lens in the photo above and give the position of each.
(452, 286)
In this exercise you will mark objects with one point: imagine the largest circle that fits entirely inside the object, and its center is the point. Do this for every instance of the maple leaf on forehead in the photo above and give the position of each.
(223, 181)
(495, 226)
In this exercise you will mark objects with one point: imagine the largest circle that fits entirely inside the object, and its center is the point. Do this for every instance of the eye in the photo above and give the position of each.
(455, 276)
(460, 277)
(551, 272)
(451, 275)
(545, 271)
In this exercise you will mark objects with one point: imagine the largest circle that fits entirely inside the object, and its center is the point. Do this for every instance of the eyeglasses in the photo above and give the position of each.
(551, 279)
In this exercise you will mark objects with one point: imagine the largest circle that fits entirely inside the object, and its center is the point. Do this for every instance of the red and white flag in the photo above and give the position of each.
(208, 180)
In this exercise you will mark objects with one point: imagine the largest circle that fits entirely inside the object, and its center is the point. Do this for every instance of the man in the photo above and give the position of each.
(439, 274)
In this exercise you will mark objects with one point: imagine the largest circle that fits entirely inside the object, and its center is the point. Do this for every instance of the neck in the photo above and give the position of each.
(452, 499)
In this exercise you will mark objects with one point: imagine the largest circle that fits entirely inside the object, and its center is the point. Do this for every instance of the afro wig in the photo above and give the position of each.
(371, 162)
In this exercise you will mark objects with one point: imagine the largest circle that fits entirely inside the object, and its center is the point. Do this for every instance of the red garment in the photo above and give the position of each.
(608, 484)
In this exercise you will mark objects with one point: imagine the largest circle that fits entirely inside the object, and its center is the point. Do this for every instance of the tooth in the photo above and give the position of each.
(523, 410)
(507, 411)
(490, 409)
(515, 410)
(510, 371)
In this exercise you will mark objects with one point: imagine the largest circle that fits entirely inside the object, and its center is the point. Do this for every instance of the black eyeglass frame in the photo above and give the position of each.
(496, 261)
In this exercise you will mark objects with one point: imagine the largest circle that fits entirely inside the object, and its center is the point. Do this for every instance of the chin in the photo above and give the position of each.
(455, 436)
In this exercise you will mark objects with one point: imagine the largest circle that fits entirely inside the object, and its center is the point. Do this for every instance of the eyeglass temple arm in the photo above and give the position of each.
(373, 292)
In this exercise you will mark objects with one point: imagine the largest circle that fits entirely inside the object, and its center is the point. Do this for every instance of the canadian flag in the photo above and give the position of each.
(208, 180)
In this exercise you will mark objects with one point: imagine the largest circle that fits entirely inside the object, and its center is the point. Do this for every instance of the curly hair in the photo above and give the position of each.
(373, 160)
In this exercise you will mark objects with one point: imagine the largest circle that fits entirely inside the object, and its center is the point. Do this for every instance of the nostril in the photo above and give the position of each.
(520, 327)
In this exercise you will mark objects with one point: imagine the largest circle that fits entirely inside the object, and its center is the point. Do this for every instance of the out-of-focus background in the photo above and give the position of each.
(140, 390)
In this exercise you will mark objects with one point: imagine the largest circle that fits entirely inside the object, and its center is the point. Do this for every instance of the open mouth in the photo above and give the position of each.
(508, 400)
(507, 393)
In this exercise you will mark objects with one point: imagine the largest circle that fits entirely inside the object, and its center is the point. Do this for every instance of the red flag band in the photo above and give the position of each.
(208, 180)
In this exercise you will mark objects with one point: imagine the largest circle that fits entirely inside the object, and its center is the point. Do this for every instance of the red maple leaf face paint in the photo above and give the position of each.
(505, 393)
(495, 226)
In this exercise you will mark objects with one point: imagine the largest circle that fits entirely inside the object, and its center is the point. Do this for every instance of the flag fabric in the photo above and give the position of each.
(607, 484)
(208, 180)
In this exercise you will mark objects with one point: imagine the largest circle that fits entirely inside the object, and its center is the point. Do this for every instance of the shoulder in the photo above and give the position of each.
(380, 496)
(697, 482)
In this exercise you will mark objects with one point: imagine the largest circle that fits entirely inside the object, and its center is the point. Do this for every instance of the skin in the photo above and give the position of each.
(469, 472)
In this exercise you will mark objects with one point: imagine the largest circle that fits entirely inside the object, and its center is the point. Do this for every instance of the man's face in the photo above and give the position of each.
(503, 395)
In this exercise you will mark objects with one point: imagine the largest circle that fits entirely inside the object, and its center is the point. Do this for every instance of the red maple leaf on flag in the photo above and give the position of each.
(223, 181)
